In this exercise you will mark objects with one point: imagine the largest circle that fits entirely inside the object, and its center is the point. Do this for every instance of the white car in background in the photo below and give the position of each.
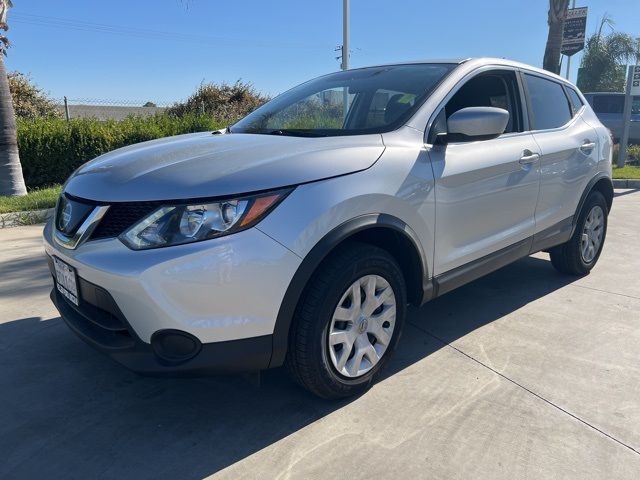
(299, 235)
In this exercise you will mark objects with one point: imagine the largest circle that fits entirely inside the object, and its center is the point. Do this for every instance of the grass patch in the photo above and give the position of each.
(36, 199)
(627, 172)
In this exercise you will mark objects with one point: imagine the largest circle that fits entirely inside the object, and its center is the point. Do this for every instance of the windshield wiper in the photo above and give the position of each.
(293, 132)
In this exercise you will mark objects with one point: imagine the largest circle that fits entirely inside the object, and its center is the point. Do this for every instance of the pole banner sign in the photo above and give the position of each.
(635, 81)
(575, 25)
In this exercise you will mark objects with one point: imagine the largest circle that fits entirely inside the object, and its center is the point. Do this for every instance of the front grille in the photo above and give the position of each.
(120, 217)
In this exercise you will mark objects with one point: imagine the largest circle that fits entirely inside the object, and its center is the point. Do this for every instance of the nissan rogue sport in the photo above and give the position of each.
(300, 234)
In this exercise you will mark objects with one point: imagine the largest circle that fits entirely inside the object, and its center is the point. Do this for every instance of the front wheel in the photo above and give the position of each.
(348, 322)
(580, 254)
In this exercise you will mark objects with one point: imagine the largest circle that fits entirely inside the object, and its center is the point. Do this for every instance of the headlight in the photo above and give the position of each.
(179, 224)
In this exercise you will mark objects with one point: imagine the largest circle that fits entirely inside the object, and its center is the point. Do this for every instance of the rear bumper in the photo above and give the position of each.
(99, 322)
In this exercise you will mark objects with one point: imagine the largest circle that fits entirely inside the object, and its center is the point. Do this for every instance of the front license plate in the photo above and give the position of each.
(66, 280)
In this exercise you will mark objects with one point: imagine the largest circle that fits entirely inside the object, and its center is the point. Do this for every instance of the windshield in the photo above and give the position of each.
(367, 100)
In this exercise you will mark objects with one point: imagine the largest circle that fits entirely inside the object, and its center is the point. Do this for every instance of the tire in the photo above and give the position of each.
(311, 361)
(570, 257)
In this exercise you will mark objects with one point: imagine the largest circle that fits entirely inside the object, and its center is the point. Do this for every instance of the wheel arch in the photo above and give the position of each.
(601, 183)
(385, 231)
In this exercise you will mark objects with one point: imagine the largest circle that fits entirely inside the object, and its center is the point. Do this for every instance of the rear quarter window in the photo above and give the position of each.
(574, 98)
(549, 104)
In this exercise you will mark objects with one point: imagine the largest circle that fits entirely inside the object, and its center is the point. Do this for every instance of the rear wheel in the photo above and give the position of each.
(348, 322)
(580, 254)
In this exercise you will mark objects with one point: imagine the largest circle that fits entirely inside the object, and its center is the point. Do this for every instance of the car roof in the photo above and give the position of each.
(604, 93)
(479, 61)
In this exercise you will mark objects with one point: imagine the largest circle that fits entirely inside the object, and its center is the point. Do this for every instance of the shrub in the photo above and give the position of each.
(228, 102)
(29, 101)
(52, 148)
(633, 154)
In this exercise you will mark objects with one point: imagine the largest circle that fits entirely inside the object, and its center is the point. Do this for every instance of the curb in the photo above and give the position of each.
(17, 219)
(622, 183)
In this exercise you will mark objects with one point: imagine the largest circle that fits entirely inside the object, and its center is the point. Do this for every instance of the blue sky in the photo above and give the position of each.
(274, 44)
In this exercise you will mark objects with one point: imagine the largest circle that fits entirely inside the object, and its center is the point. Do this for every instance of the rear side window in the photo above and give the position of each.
(549, 104)
(608, 103)
(574, 98)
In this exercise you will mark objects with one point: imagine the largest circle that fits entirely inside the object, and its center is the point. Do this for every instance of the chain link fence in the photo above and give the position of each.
(101, 109)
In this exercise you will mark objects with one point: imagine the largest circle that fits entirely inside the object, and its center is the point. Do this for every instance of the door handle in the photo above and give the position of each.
(528, 157)
(587, 147)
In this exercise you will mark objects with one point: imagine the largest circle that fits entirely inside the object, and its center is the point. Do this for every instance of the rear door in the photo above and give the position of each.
(486, 191)
(568, 148)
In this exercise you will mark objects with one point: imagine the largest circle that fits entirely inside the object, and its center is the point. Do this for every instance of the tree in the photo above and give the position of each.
(11, 179)
(602, 67)
(555, 20)
(29, 101)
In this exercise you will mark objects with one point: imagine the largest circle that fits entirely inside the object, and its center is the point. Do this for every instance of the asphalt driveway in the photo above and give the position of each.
(523, 374)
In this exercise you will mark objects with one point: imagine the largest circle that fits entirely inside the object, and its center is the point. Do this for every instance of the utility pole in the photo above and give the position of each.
(345, 54)
(345, 35)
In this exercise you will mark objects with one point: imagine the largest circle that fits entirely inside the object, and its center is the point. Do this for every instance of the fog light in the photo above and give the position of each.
(175, 346)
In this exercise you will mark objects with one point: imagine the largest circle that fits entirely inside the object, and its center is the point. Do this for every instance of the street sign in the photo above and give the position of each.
(633, 85)
(635, 81)
(575, 25)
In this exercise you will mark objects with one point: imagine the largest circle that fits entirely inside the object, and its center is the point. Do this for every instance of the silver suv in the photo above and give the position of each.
(299, 235)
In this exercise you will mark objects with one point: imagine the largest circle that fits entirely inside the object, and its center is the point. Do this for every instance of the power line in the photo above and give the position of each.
(80, 25)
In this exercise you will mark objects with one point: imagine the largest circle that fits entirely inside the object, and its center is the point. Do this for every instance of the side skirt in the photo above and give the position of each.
(554, 235)
(550, 237)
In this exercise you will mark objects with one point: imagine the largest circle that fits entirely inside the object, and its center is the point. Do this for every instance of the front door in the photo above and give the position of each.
(486, 191)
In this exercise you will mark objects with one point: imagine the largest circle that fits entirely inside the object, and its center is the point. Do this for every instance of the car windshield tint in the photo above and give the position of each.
(367, 100)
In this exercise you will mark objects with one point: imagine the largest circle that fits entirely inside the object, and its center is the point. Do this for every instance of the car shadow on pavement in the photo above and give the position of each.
(68, 412)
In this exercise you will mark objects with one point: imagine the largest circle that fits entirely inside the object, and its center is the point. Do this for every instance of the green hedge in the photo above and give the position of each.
(51, 149)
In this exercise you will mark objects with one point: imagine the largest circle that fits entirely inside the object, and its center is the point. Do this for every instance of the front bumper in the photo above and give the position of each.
(224, 294)
(118, 341)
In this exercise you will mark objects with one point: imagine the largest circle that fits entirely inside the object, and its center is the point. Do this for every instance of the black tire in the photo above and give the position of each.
(308, 360)
(567, 258)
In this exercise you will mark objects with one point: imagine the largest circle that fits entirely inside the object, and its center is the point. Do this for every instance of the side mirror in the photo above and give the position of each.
(476, 123)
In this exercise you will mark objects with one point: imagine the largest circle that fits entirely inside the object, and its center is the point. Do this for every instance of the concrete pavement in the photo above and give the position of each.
(523, 374)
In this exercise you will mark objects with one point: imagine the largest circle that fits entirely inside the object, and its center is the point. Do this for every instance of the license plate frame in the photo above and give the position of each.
(66, 280)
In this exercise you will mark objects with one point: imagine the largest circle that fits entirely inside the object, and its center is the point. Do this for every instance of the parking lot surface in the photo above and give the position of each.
(525, 373)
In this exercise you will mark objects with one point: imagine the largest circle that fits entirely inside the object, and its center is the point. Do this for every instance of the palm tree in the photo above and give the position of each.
(602, 66)
(555, 20)
(11, 179)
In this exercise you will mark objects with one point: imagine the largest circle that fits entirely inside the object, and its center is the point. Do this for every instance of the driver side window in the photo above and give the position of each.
(490, 89)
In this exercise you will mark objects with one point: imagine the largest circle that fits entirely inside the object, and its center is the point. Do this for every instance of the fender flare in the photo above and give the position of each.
(314, 258)
(588, 189)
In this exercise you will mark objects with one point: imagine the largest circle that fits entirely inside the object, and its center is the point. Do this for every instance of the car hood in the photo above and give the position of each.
(208, 165)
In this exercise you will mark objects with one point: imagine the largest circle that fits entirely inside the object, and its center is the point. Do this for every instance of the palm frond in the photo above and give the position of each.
(4, 44)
